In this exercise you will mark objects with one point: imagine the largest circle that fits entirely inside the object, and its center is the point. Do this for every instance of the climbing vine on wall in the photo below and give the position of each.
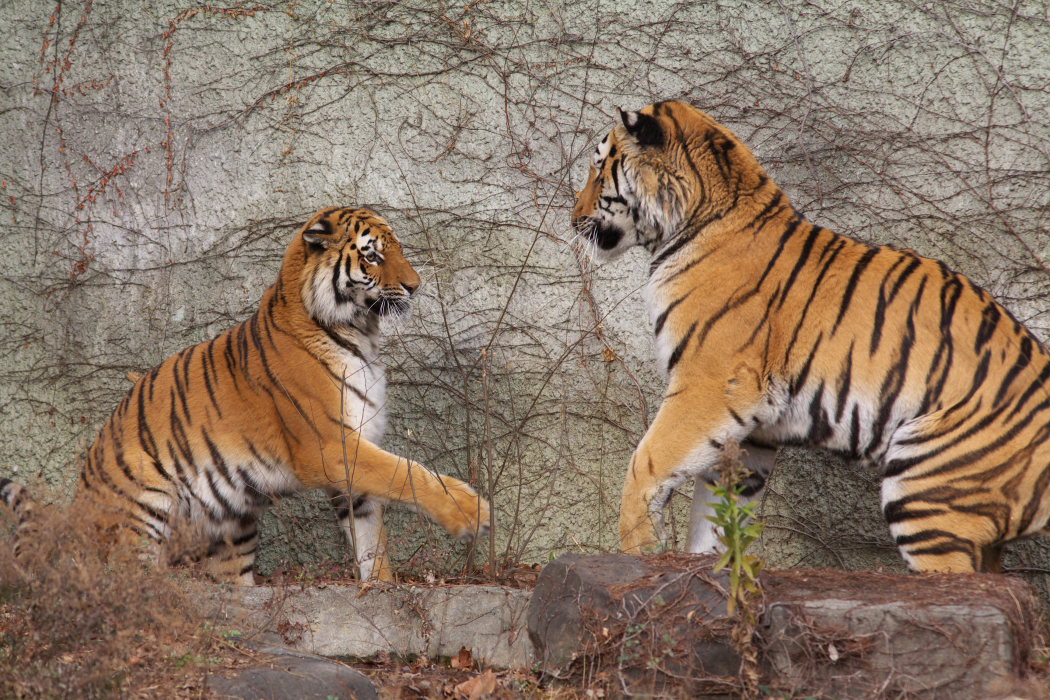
(156, 160)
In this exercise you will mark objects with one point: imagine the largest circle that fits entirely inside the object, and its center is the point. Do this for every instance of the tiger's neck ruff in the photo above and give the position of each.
(775, 330)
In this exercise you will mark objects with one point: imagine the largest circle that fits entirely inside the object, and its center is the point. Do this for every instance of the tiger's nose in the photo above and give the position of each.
(410, 287)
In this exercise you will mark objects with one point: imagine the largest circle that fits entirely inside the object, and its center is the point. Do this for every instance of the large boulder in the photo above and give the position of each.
(659, 625)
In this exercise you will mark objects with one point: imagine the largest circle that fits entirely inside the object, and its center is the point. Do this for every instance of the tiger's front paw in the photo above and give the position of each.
(638, 534)
(467, 514)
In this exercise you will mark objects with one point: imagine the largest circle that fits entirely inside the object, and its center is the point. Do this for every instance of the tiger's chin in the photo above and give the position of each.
(602, 242)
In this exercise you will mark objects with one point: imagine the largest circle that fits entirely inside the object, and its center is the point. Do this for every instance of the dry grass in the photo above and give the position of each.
(459, 679)
(76, 625)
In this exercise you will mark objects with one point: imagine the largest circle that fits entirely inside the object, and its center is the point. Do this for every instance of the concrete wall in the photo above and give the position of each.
(155, 161)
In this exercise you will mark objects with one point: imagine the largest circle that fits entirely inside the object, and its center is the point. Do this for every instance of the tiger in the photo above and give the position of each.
(293, 398)
(772, 331)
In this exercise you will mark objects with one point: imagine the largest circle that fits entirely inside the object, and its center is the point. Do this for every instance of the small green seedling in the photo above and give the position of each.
(738, 530)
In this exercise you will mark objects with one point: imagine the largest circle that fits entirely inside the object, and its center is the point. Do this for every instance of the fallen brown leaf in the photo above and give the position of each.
(463, 659)
(478, 687)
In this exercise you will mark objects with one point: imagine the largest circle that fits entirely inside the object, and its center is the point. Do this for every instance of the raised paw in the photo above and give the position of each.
(465, 514)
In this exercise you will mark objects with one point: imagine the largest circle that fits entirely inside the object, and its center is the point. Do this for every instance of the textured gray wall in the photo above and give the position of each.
(156, 160)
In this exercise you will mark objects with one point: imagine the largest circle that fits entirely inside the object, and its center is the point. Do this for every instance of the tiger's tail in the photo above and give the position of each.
(17, 498)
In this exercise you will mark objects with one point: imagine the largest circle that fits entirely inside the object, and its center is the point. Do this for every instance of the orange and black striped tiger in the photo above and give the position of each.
(293, 398)
(775, 330)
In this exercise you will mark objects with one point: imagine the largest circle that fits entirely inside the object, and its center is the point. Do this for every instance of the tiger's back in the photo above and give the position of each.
(778, 331)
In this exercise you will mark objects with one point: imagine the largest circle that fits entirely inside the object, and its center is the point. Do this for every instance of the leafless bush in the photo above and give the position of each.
(75, 623)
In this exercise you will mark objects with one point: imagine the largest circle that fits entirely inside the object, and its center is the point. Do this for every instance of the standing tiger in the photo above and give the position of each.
(293, 398)
(774, 330)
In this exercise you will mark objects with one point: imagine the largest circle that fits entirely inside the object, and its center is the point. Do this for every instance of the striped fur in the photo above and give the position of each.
(775, 330)
(15, 497)
(293, 398)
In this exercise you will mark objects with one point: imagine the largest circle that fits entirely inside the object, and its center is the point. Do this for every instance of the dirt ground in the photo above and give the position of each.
(75, 625)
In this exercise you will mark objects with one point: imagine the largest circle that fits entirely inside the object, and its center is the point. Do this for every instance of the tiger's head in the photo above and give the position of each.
(667, 169)
(354, 267)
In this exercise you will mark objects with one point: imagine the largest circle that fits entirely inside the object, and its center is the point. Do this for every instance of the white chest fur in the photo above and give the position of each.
(363, 396)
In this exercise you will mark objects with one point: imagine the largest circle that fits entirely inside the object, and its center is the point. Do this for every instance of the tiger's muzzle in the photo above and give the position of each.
(598, 232)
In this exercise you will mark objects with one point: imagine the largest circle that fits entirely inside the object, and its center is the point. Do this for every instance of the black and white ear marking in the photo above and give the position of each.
(644, 128)
(318, 236)
(629, 119)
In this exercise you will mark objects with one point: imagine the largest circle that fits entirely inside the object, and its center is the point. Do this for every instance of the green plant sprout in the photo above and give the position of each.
(738, 530)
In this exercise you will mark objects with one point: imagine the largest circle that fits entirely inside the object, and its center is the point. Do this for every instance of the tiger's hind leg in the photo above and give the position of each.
(231, 556)
(362, 521)
(941, 528)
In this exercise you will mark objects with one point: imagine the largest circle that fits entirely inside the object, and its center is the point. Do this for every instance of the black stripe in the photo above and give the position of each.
(896, 511)
(218, 460)
(207, 366)
(799, 380)
(178, 432)
(245, 538)
(187, 357)
(894, 380)
(736, 417)
(1001, 439)
(763, 319)
(147, 529)
(926, 536)
(979, 375)
(732, 305)
(228, 354)
(1038, 492)
(675, 245)
(118, 455)
(803, 258)
(1024, 357)
(841, 243)
(720, 148)
(845, 379)
(819, 428)
(989, 320)
(789, 231)
(151, 380)
(851, 286)
(975, 408)
(680, 348)
(342, 342)
(1038, 385)
(685, 268)
(265, 362)
(145, 433)
(659, 324)
(229, 512)
(767, 214)
(181, 388)
(904, 275)
(854, 431)
(948, 548)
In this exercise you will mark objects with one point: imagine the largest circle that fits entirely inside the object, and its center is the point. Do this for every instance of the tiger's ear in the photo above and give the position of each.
(319, 236)
(644, 128)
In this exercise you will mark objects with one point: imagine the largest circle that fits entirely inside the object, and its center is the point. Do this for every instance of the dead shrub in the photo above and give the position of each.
(77, 624)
